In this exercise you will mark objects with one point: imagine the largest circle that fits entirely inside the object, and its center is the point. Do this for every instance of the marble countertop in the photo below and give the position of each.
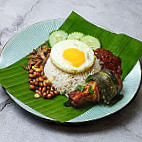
(117, 15)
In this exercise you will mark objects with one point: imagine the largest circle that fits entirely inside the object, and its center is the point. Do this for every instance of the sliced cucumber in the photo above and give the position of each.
(75, 35)
(91, 41)
(57, 36)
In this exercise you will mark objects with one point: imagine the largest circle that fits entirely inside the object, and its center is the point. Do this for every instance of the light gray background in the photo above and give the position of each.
(16, 125)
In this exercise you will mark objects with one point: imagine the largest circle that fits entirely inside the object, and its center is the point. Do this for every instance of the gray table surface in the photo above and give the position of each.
(120, 16)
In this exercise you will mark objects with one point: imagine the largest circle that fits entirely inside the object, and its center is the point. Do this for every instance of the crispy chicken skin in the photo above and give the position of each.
(78, 98)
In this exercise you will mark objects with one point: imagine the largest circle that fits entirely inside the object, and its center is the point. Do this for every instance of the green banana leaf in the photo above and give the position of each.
(15, 79)
(127, 48)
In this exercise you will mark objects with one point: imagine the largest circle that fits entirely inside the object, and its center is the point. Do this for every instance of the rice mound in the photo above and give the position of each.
(66, 82)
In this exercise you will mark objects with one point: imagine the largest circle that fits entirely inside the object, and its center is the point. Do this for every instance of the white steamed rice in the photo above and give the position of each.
(65, 82)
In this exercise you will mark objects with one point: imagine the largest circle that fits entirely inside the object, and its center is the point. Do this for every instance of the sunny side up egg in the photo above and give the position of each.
(72, 56)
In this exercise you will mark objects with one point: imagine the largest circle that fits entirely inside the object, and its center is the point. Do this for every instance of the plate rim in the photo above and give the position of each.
(53, 120)
(24, 28)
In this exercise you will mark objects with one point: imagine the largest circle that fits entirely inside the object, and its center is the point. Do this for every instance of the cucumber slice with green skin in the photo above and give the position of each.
(75, 35)
(57, 36)
(91, 41)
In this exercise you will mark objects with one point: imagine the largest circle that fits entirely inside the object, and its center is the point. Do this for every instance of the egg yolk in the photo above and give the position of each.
(74, 56)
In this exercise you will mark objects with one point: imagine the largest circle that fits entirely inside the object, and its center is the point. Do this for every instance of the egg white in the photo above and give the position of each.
(58, 60)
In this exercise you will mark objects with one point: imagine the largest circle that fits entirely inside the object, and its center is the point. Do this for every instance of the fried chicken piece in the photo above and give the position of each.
(78, 98)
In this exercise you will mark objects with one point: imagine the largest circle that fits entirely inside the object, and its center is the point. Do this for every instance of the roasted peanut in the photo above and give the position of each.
(42, 73)
(40, 79)
(39, 88)
(36, 96)
(56, 92)
(32, 87)
(43, 89)
(36, 83)
(38, 74)
(32, 82)
(44, 83)
(48, 87)
(44, 95)
(30, 75)
(48, 82)
(52, 93)
(30, 71)
(39, 92)
(34, 74)
(37, 79)
(44, 77)
(49, 96)
(40, 84)
(48, 91)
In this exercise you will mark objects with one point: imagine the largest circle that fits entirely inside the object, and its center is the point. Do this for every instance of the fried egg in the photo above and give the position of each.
(72, 56)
